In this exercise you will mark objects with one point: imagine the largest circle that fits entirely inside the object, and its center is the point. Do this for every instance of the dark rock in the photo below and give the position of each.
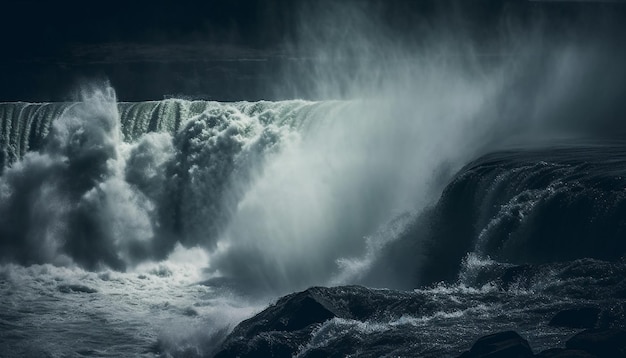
(506, 344)
(379, 344)
(277, 345)
(565, 353)
(583, 317)
(601, 342)
(279, 330)
(286, 328)
(297, 312)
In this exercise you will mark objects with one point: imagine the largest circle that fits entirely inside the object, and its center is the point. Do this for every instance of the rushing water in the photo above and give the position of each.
(468, 196)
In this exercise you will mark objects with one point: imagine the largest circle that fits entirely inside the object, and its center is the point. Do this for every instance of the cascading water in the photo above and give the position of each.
(275, 191)
(166, 223)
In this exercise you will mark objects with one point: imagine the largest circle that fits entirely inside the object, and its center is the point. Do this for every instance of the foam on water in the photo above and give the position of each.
(156, 309)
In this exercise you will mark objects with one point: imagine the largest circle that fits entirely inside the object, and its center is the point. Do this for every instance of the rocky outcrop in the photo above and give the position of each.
(280, 329)
(358, 321)
(283, 328)
(507, 344)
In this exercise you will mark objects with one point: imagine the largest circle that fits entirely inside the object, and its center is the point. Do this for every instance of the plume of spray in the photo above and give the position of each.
(406, 122)
(70, 202)
(90, 198)
(414, 110)
(289, 195)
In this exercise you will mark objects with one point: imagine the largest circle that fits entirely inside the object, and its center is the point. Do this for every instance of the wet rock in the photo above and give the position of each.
(506, 344)
(583, 317)
(565, 353)
(609, 343)
(279, 330)
(286, 328)
(297, 312)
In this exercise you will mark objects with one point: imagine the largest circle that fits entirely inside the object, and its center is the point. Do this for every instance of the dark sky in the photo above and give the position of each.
(226, 49)
(47, 24)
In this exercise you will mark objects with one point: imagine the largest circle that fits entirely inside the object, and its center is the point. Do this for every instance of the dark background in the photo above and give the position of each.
(233, 49)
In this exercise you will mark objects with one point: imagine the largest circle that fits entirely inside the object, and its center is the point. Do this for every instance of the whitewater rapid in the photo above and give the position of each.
(155, 310)
(161, 215)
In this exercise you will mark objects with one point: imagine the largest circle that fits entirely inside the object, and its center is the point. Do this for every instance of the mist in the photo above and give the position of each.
(414, 110)
(286, 195)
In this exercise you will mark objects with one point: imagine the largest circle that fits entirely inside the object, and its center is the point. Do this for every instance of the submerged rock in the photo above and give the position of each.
(506, 344)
